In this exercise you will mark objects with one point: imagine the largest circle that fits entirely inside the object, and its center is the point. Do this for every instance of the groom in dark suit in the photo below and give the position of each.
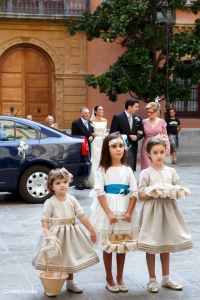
(83, 127)
(129, 123)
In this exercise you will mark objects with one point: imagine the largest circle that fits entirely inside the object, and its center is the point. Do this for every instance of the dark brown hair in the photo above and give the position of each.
(152, 142)
(131, 102)
(95, 109)
(105, 160)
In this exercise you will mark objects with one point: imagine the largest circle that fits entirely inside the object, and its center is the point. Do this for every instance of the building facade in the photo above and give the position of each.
(102, 54)
(42, 67)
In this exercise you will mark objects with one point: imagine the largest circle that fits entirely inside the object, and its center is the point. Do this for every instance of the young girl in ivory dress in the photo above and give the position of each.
(115, 195)
(58, 221)
(162, 227)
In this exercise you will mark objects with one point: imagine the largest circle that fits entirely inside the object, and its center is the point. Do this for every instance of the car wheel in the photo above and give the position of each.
(32, 184)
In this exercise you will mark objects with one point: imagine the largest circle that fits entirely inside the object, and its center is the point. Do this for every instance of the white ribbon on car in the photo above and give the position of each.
(22, 149)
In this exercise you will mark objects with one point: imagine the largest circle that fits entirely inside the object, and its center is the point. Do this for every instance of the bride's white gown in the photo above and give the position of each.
(96, 145)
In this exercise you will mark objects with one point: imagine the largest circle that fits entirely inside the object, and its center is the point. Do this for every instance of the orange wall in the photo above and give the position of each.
(101, 54)
(186, 17)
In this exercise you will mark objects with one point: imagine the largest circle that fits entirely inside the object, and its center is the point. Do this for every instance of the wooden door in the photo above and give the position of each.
(26, 83)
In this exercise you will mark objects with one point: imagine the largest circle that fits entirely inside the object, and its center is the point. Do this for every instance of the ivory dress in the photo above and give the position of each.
(77, 250)
(118, 185)
(96, 145)
(162, 227)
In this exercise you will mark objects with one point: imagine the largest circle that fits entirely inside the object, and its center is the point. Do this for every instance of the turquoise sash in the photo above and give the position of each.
(122, 189)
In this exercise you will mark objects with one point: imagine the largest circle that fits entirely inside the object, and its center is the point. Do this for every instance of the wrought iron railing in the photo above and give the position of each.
(45, 7)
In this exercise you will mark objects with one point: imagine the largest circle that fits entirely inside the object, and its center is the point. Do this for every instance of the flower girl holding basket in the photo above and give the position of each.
(114, 216)
(60, 232)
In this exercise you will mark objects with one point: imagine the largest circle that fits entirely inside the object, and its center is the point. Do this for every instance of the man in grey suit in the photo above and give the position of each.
(129, 123)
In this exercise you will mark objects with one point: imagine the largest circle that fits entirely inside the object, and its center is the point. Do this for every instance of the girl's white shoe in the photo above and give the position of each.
(172, 285)
(152, 287)
(74, 288)
(113, 289)
(123, 287)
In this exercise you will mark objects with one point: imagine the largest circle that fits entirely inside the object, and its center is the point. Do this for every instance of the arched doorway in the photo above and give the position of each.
(26, 83)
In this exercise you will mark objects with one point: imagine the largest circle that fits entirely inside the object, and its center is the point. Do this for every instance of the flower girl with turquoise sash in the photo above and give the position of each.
(114, 206)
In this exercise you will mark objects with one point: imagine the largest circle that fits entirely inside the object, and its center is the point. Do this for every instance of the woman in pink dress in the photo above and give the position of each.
(152, 126)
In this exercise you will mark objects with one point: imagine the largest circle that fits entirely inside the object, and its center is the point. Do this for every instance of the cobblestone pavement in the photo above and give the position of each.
(19, 226)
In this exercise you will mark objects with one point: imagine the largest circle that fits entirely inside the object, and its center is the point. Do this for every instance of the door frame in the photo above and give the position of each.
(50, 64)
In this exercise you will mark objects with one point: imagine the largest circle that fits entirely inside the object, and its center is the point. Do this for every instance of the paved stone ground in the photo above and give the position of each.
(19, 227)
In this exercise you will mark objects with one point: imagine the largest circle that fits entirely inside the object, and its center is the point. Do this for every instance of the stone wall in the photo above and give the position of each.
(189, 140)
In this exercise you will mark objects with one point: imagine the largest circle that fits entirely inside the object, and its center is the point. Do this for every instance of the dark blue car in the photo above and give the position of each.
(29, 150)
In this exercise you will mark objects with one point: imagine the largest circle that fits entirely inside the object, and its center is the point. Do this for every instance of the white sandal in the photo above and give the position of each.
(173, 285)
(152, 288)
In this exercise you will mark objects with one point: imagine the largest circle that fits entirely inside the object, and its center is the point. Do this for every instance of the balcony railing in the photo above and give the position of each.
(35, 8)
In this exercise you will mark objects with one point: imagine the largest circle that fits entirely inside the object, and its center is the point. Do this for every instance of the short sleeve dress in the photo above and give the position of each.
(77, 250)
(150, 131)
(162, 227)
(118, 185)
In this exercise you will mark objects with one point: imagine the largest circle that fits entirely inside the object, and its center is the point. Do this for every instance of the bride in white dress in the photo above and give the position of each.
(100, 125)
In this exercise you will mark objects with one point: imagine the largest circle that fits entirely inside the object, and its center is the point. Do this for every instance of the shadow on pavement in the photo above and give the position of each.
(8, 198)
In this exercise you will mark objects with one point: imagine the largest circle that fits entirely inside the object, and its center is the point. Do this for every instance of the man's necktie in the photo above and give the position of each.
(130, 120)
(86, 125)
